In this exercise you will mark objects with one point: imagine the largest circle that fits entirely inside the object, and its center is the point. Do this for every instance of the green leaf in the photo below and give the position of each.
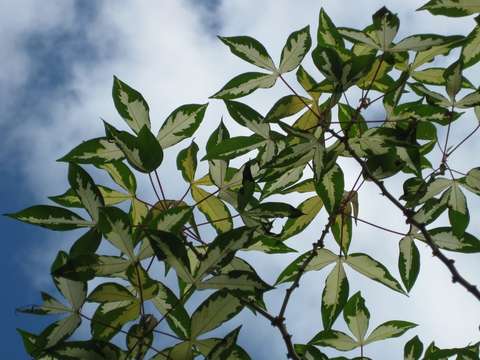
(453, 79)
(309, 208)
(322, 258)
(51, 217)
(121, 175)
(187, 162)
(286, 106)
(87, 266)
(295, 49)
(142, 282)
(110, 292)
(357, 316)
(143, 152)
(389, 329)
(275, 210)
(95, 151)
(328, 61)
(248, 117)
(115, 226)
(74, 291)
(327, 34)
(244, 84)
(444, 238)
(213, 208)
(172, 308)
(235, 146)
(206, 346)
(181, 124)
(225, 348)
(454, 8)
(221, 251)
(335, 295)
(181, 351)
(408, 262)
(169, 247)
(342, 228)
(138, 341)
(219, 307)
(374, 270)
(236, 280)
(131, 105)
(86, 190)
(249, 49)
(109, 318)
(413, 349)
(330, 188)
(335, 339)
(386, 25)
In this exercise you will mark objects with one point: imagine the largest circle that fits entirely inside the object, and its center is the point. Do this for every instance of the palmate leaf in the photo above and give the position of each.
(181, 124)
(454, 8)
(95, 151)
(335, 295)
(131, 105)
(143, 152)
(297, 46)
(374, 270)
(357, 316)
(386, 26)
(218, 308)
(86, 190)
(51, 217)
(249, 49)
(244, 84)
(322, 258)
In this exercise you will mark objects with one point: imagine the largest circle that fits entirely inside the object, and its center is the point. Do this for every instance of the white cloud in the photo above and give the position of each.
(165, 51)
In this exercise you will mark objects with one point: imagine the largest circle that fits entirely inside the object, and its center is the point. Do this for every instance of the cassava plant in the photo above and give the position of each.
(295, 148)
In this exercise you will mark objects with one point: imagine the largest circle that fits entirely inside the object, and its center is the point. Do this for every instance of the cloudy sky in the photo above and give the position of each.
(58, 60)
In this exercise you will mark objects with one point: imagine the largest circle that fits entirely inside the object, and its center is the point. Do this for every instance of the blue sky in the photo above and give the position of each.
(56, 84)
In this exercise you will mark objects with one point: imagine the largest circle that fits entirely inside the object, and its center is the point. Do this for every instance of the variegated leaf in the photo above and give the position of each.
(471, 48)
(444, 238)
(170, 306)
(225, 348)
(245, 84)
(286, 106)
(419, 42)
(453, 8)
(86, 190)
(219, 307)
(131, 105)
(181, 124)
(386, 25)
(330, 188)
(295, 49)
(237, 280)
(469, 100)
(110, 292)
(234, 147)
(109, 318)
(413, 349)
(453, 79)
(434, 188)
(87, 266)
(171, 219)
(213, 208)
(249, 49)
(322, 258)
(50, 305)
(335, 295)
(248, 117)
(187, 162)
(357, 316)
(223, 248)
(121, 175)
(309, 208)
(374, 270)
(457, 209)
(335, 339)
(60, 330)
(115, 226)
(358, 36)
(51, 217)
(408, 262)
(143, 152)
(389, 329)
(94, 151)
